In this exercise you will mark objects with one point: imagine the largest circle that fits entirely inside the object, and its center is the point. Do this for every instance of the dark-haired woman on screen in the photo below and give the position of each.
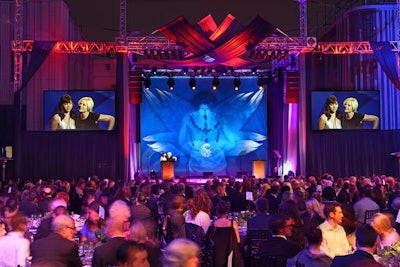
(355, 120)
(66, 115)
(88, 120)
(331, 119)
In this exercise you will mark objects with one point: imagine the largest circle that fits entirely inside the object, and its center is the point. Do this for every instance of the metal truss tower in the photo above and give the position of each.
(303, 17)
(18, 44)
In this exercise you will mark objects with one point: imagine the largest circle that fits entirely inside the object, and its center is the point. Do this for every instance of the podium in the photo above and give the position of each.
(259, 168)
(167, 170)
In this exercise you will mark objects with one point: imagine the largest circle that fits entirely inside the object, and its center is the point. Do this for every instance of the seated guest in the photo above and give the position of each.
(365, 203)
(174, 220)
(311, 256)
(181, 252)
(58, 247)
(387, 235)
(281, 228)
(260, 221)
(93, 227)
(132, 254)
(14, 248)
(105, 254)
(366, 239)
(334, 241)
(45, 225)
(137, 233)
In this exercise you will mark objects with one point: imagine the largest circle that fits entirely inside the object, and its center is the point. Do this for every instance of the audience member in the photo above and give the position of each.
(387, 235)
(132, 254)
(334, 241)
(311, 256)
(93, 227)
(14, 247)
(366, 239)
(181, 253)
(45, 227)
(138, 233)
(200, 210)
(279, 245)
(58, 247)
(105, 255)
(365, 203)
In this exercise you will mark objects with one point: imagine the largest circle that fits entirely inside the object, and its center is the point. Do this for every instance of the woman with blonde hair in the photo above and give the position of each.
(315, 214)
(88, 120)
(387, 235)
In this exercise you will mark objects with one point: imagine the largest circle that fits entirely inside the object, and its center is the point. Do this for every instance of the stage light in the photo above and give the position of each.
(171, 83)
(154, 70)
(185, 70)
(192, 83)
(215, 83)
(260, 83)
(236, 83)
(147, 83)
(253, 71)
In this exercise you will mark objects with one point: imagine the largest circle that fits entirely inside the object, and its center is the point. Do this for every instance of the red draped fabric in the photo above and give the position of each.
(225, 46)
(208, 25)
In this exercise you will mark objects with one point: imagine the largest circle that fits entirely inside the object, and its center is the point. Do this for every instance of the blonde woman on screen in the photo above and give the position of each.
(354, 119)
(66, 115)
(331, 119)
(88, 120)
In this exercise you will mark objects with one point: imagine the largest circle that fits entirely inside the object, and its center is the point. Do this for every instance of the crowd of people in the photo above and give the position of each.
(311, 221)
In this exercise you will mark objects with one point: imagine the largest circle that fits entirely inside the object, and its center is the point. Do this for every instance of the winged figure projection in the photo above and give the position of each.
(204, 132)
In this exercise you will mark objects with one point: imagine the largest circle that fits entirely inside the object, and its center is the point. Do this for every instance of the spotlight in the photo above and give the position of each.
(185, 70)
(154, 70)
(236, 83)
(253, 71)
(147, 83)
(215, 83)
(260, 83)
(192, 83)
(171, 83)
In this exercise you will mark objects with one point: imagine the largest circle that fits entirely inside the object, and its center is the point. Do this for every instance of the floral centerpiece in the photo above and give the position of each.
(390, 255)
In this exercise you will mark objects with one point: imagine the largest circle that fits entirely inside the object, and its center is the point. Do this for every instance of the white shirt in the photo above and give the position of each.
(202, 219)
(334, 241)
(14, 250)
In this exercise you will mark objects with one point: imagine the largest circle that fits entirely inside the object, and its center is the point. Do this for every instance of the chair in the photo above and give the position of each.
(254, 237)
(268, 261)
(368, 215)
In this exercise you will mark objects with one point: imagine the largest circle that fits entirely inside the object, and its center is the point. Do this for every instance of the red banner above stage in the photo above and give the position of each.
(209, 44)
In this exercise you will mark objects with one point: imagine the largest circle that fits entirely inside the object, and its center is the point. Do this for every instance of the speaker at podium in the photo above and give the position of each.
(167, 170)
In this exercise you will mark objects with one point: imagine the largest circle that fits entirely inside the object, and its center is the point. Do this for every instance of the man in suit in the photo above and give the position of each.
(279, 245)
(366, 246)
(58, 247)
(57, 207)
(260, 221)
(105, 255)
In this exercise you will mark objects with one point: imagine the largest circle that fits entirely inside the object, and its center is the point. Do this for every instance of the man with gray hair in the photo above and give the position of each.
(58, 247)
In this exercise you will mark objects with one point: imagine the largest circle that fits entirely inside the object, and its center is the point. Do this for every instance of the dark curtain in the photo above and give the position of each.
(276, 120)
(387, 59)
(40, 51)
(69, 154)
(343, 153)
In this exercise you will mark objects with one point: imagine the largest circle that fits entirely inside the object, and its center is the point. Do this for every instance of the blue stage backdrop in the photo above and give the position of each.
(220, 131)
(368, 103)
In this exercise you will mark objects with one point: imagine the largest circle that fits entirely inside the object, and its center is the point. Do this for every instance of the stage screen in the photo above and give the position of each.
(103, 103)
(368, 107)
(209, 131)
